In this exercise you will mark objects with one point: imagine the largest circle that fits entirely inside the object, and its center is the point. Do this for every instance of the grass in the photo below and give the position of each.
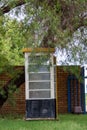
(66, 122)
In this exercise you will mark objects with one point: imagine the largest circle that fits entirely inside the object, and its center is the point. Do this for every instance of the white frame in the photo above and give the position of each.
(51, 81)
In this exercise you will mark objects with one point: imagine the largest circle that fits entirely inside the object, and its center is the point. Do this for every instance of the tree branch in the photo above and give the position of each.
(7, 8)
(17, 81)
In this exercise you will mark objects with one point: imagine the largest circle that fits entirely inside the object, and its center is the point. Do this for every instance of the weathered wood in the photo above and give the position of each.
(46, 50)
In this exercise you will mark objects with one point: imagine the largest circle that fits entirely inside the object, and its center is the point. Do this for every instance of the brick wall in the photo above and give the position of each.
(19, 103)
(18, 97)
(62, 101)
(62, 90)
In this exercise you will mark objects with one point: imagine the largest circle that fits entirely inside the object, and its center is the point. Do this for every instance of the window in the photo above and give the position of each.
(40, 79)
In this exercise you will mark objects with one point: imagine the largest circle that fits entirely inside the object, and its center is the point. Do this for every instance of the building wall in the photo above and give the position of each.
(62, 94)
(16, 103)
(18, 106)
(62, 90)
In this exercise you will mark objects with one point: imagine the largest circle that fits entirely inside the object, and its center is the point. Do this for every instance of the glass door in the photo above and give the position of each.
(40, 87)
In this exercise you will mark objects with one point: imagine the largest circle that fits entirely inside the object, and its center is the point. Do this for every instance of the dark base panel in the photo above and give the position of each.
(41, 108)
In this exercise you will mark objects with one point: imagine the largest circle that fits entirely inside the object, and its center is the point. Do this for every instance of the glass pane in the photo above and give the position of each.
(39, 85)
(38, 58)
(38, 68)
(39, 94)
(39, 76)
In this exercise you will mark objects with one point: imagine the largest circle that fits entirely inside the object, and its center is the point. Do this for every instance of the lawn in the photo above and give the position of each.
(66, 122)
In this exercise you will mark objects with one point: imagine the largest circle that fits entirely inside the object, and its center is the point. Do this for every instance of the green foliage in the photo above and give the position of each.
(12, 42)
(2, 92)
(10, 52)
(11, 97)
(57, 24)
(47, 23)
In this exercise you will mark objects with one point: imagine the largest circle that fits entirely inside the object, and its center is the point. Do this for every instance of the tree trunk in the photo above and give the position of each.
(17, 82)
